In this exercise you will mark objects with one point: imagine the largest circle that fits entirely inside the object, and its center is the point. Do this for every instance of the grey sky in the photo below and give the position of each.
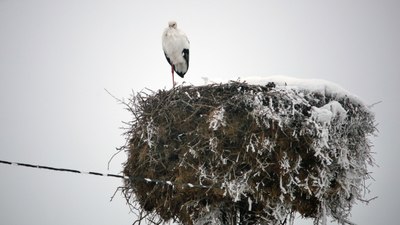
(56, 58)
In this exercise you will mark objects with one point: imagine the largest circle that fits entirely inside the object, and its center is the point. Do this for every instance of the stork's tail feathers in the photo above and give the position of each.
(180, 74)
(182, 68)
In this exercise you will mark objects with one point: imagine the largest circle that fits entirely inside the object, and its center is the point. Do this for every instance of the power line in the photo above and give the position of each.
(62, 169)
(133, 178)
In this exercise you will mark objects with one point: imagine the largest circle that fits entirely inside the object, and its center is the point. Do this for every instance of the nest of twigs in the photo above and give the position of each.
(246, 154)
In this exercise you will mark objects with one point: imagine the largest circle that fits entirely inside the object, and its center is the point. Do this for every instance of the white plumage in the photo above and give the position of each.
(176, 49)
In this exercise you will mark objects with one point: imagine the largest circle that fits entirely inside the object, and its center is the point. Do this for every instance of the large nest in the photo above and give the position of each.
(247, 154)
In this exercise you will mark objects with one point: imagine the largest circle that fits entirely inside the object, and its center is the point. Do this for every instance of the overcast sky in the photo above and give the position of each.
(57, 57)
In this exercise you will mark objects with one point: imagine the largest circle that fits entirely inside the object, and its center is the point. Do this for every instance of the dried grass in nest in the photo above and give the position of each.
(258, 150)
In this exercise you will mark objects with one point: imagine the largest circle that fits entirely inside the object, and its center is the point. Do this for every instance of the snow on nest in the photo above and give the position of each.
(314, 85)
(285, 82)
(327, 112)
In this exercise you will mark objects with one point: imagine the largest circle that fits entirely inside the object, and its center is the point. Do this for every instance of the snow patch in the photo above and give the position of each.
(286, 82)
(237, 188)
(313, 85)
(209, 218)
(328, 112)
(217, 118)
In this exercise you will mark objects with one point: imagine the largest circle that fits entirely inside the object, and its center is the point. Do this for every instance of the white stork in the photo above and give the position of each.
(176, 49)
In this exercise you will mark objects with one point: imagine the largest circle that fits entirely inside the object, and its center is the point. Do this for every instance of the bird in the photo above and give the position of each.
(176, 45)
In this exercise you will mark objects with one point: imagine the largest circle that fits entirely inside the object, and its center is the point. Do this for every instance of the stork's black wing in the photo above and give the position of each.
(169, 61)
(185, 54)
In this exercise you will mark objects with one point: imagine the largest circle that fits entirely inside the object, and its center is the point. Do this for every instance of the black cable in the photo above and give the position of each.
(132, 178)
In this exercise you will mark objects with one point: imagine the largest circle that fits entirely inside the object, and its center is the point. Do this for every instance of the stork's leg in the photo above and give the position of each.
(172, 72)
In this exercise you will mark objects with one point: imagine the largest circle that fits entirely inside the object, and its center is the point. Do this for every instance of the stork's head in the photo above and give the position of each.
(172, 24)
